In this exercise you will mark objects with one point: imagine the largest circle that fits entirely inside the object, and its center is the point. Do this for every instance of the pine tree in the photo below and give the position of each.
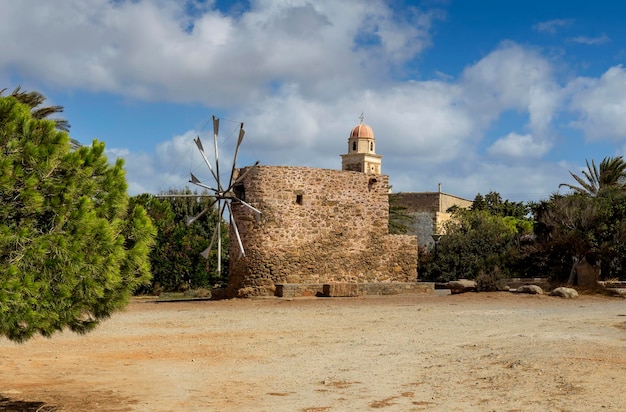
(71, 250)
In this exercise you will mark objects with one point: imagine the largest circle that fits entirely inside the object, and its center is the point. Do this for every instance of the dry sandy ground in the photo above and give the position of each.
(482, 352)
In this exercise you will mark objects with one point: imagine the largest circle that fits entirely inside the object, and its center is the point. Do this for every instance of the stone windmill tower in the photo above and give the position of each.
(318, 227)
(361, 156)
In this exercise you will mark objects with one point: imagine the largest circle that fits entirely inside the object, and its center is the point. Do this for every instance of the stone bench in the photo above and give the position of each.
(396, 288)
(339, 289)
(298, 290)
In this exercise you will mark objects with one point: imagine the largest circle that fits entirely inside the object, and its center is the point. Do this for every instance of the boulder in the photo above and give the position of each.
(532, 289)
(564, 292)
(586, 274)
(461, 286)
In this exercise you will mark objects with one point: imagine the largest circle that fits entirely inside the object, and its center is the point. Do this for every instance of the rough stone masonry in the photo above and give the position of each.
(317, 226)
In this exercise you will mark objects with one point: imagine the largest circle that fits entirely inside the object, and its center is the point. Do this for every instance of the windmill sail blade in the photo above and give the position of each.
(190, 220)
(239, 140)
(240, 178)
(206, 160)
(219, 236)
(198, 143)
(197, 182)
(236, 230)
(194, 179)
(216, 127)
(205, 253)
(247, 204)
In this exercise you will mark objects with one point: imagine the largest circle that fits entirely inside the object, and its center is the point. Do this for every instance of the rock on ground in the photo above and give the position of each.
(564, 292)
(461, 286)
(532, 289)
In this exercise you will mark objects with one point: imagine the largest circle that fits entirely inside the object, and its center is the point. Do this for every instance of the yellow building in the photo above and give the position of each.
(429, 212)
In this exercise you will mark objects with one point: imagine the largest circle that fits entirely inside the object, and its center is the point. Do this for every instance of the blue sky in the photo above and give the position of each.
(476, 95)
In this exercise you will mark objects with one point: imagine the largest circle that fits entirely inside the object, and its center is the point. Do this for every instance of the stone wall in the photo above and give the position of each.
(419, 202)
(317, 226)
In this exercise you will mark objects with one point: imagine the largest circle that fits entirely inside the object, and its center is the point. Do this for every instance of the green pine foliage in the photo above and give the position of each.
(475, 241)
(176, 261)
(495, 205)
(485, 240)
(497, 238)
(71, 250)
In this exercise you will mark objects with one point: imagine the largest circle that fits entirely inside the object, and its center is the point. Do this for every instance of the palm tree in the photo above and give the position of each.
(34, 101)
(612, 172)
(399, 219)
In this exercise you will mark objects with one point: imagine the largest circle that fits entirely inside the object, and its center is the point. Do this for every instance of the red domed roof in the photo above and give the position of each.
(362, 130)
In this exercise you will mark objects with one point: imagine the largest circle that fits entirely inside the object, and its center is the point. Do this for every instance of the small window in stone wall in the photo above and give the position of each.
(353, 146)
(372, 146)
(299, 199)
(240, 191)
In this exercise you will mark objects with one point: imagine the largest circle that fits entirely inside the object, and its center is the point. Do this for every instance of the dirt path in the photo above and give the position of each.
(479, 352)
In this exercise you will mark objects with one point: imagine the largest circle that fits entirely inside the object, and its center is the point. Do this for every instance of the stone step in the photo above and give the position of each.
(293, 290)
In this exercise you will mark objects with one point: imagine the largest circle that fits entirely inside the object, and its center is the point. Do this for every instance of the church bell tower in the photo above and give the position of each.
(361, 156)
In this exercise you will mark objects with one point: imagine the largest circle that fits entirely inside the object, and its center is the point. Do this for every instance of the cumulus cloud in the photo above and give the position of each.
(513, 77)
(170, 165)
(421, 120)
(424, 129)
(518, 146)
(600, 104)
(299, 76)
(519, 181)
(157, 51)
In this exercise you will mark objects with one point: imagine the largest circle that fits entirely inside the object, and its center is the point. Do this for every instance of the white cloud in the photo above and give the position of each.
(601, 105)
(172, 162)
(427, 131)
(517, 182)
(419, 120)
(518, 146)
(513, 77)
(144, 49)
(115, 153)
(531, 180)
(591, 41)
(551, 26)
(299, 76)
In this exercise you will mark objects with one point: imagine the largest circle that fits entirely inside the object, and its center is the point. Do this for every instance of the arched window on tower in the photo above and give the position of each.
(371, 146)
(353, 146)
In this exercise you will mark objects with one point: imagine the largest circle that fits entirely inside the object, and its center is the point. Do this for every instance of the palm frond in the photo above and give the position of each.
(612, 172)
(34, 100)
